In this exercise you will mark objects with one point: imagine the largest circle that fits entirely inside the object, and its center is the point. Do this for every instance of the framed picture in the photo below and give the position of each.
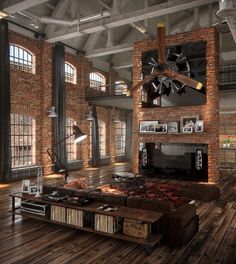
(173, 127)
(25, 186)
(188, 129)
(161, 128)
(188, 121)
(199, 126)
(33, 189)
(147, 126)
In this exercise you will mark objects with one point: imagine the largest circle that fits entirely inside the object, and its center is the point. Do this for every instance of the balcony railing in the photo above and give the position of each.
(108, 91)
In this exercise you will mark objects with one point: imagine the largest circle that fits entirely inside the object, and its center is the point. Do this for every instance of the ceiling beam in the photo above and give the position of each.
(124, 66)
(13, 6)
(109, 50)
(58, 12)
(127, 18)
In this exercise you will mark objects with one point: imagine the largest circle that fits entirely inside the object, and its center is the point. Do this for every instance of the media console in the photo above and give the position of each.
(130, 224)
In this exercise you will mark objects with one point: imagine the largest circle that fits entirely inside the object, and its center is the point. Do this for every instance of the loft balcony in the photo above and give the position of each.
(118, 96)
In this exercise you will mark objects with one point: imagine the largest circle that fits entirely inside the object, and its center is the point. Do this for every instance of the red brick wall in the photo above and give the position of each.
(31, 94)
(208, 112)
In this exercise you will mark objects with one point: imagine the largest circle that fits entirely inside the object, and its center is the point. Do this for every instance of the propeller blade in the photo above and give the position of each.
(145, 80)
(161, 43)
(184, 79)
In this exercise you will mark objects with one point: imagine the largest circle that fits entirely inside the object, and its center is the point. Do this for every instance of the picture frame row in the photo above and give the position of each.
(26, 187)
(187, 124)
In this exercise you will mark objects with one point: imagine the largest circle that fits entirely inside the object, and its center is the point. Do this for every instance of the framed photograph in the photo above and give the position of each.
(25, 186)
(199, 126)
(33, 189)
(147, 126)
(161, 128)
(188, 129)
(188, 121)
(173, 127)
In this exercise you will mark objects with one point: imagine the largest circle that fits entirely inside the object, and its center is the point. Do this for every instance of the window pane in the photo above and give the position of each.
(21, 59)
(70, 73)
(71, 147)
(22, 140)
(120, 135)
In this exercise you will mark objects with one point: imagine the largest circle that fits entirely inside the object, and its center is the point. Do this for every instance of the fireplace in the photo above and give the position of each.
(183, 161)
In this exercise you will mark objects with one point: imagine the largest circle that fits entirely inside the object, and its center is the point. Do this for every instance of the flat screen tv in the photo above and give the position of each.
(188, 59)
(178, 160)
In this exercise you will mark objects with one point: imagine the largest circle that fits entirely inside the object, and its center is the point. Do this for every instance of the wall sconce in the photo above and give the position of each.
(89, 116)
(116, 119)
(51, 112)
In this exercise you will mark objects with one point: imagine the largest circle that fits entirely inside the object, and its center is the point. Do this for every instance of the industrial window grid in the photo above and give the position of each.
(70, 73)
(97, 81)
(71, 147)
(22, 140)
(228, 74)
(120, 88)
(102, 138)
(21, 59)
(120, 134)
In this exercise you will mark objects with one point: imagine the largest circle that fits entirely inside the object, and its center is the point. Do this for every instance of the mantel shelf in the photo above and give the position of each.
(157, 134)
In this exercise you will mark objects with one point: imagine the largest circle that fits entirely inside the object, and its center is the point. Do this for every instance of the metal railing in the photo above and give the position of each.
(108, 90)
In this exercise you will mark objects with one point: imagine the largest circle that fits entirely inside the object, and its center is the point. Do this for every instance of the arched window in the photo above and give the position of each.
(120, 134)
(97, 81)
(71, 147)
(102, 137)
(22, 140)
(70, 73)
(120, 88)
(22, 59)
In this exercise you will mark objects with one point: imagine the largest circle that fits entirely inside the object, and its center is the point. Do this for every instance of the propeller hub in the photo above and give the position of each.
(172, 66)
(161, 67)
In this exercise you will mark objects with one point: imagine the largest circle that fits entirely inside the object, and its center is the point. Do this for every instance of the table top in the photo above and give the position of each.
(122, 211)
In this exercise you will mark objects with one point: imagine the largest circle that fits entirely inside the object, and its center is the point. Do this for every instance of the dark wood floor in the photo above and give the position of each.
(31, 241)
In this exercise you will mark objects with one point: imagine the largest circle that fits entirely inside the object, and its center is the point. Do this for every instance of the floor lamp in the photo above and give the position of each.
(78, 136)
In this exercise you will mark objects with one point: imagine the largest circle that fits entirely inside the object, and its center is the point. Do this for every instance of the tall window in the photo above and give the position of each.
(71, 147)
(120, 134)
(97, 81)
(22, 140)
(21, 59)
(90, 140)
(120, 88)
(102, 137)
(70, 73)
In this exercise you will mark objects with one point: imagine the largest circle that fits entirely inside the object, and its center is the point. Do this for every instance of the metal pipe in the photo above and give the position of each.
(64, 22)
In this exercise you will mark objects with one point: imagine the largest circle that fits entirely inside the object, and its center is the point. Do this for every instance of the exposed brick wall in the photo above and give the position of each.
(31, 94)
(208, 112)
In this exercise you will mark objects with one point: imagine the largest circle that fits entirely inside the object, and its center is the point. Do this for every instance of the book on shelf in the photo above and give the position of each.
(74, 217)
(107, 224)
(58, 213)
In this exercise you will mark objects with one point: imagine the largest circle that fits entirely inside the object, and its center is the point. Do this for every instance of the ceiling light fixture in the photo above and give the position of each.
(3, 14)
(51, 112)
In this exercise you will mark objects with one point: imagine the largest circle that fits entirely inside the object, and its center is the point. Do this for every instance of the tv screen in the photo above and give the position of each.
(188, 59)
(175, 159)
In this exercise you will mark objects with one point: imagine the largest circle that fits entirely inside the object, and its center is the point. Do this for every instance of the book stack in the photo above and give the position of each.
(58, 213)
(74, 217)
(107, 224)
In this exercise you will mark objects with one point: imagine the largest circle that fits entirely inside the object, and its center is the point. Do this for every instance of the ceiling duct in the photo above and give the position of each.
(227, 11)
(64, 22)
